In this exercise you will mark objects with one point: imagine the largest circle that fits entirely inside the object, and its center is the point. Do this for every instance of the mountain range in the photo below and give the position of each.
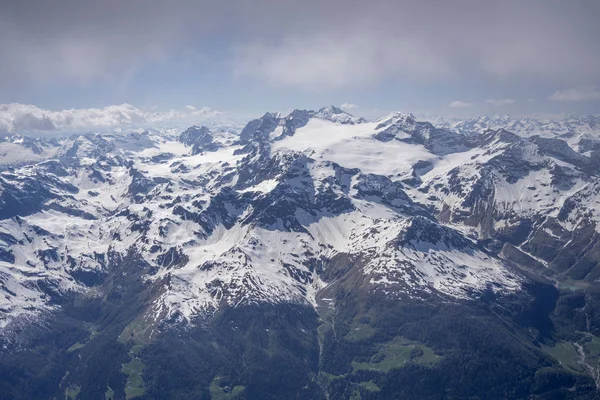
(310, 255)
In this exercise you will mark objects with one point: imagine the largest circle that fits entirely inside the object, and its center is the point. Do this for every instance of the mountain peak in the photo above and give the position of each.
(271, 115)
(340, 237)
(396, 117)
(199, 138)
(331, 109)
(334, 114)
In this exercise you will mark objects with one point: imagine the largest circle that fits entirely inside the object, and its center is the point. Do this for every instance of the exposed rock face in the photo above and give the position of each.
(310, 211)
(199, 138)
(529, 200)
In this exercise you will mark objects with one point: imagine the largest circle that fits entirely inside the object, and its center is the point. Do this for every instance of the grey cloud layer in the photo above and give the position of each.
(20, 118)
(328, 44)
(576, 94)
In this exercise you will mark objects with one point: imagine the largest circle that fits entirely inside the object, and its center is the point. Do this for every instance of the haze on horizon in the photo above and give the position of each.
(112, 63)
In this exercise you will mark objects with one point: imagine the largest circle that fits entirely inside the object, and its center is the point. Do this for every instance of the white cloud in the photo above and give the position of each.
(348, 106)
(79, 45)
(581, 93)
(500, 102)
(333, 61)
(191, 108)
(360, 44)
(459, 104)
(16, 118)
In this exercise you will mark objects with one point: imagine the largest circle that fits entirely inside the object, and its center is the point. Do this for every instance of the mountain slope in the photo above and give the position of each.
(314, 242)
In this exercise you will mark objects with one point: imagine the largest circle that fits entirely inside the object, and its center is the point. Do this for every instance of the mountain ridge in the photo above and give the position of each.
(154, 234)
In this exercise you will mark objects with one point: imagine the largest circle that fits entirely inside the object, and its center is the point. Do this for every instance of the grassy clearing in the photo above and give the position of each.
(569, 358)
(109, 394)
(78, 345)
(219, 393)
(75, 347)
(135, 383)
(137, 334)
(93, 331)
(362, 326)
(326, 380)
(370, 386)
(360, 332)
(396, 353)
(393, 354)
(591, 347)
(72, 392)
(566, 354)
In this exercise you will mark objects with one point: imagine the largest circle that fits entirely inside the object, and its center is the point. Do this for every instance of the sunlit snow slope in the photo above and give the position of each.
(208, 220)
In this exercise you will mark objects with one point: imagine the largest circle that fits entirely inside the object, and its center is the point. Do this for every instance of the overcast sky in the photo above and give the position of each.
(447, 57)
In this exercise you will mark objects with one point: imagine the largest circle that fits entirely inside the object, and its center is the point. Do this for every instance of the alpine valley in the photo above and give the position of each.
(314, 255)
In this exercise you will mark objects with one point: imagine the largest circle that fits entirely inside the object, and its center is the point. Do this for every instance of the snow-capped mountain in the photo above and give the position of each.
(582, 133)
(220, 219)
(355, 233)
(19, 150)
